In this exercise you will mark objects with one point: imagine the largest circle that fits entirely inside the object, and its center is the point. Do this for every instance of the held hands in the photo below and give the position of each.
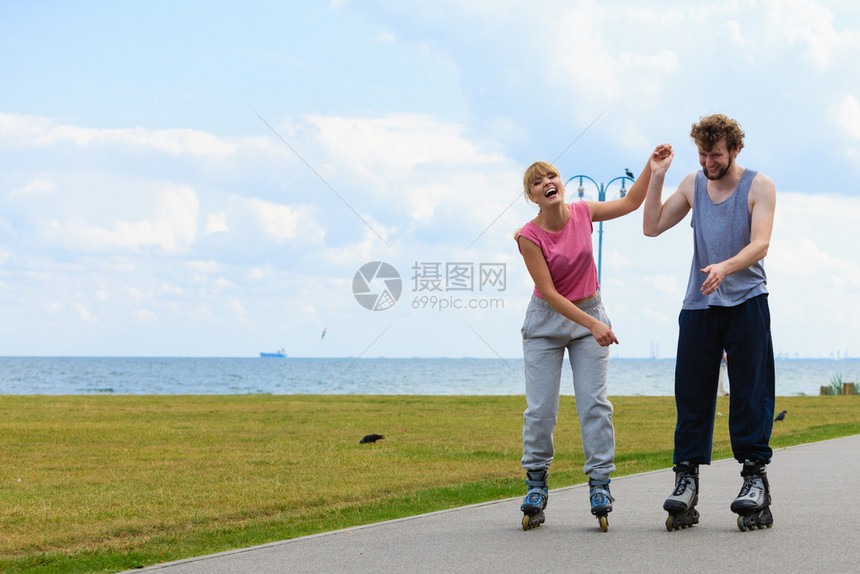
(603, 334)
(661, 159)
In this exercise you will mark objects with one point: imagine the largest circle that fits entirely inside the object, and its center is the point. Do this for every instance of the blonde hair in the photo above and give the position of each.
(536, 171)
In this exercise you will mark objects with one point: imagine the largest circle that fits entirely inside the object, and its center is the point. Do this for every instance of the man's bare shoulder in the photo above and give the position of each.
(689, 179)
(762, 187)
(761, 179)
(687, 186)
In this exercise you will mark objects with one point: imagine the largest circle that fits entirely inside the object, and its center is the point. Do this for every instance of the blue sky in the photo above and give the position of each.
(205, 179)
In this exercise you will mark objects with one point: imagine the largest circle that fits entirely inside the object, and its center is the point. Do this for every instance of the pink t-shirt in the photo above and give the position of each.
(568, 253)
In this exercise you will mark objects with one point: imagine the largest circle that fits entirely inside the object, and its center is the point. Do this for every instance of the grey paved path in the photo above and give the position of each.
(816, 507)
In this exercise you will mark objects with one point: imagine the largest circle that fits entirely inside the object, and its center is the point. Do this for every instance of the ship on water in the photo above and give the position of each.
(279, 354)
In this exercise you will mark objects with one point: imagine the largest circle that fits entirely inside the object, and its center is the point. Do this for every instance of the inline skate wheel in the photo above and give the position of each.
(533, 521)
(684, 520)
(604, 523)
(749, 523)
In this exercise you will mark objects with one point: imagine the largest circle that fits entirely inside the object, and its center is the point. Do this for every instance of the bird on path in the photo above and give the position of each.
(371, 438)
(780, 416)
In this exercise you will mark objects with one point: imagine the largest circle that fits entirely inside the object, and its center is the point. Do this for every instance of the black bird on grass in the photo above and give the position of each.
(780, 416)
(371, 438)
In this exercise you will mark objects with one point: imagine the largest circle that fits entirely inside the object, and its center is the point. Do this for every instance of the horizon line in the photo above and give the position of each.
(414, 357)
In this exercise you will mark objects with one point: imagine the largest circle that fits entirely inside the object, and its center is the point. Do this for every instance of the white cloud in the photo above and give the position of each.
(803, 256)
(144, 316)
(178, 207)
(358, 251)
(845, 116)
(258, 273)
(615, 260)
(659, 317)
(813, 270)
(37, 187)
(136, 295)
(386, 38)
(668, 285)
(216, 223)
(590, 59)
(84, 314)
(397, 143)
(173, 227)
(733, 29)
(171, 289)
(175, 141)
(809, 25)
(824, 216)
(209, 266)
(235, 307)
(283, 222)
(21, 131)
(419, 162)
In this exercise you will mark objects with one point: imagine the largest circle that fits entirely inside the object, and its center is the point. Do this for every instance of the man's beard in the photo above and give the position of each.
(722, 173)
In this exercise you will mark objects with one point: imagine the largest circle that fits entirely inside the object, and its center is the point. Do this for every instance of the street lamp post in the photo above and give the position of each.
(601, 196)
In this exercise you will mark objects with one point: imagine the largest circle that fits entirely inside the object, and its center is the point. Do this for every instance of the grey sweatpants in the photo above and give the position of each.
(546, 335)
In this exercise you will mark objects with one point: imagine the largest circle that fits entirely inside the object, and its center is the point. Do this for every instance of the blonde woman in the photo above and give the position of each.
(566, 313)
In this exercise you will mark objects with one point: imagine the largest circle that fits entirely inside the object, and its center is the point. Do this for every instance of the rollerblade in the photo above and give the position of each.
(601, 500)
(753, 502)
(536, 499)
(681, 505)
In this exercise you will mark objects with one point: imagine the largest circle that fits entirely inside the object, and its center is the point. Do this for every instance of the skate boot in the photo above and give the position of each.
(601, 500)
(536, 499)
(681, 505)
(753, 502)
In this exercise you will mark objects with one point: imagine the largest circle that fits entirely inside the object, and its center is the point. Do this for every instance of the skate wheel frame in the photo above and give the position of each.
(679, 521)
(533, 521)
(758, 520)
(752, 524)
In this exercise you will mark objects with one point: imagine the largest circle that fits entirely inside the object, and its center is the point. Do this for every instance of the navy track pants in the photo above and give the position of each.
(743, 331)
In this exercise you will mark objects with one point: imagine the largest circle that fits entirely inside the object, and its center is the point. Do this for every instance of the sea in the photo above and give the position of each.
(357, 376)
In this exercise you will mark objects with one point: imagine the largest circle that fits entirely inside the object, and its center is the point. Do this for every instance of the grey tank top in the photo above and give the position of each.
(721, 231)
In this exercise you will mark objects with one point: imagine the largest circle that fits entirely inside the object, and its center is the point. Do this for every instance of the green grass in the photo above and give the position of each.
(107, 483)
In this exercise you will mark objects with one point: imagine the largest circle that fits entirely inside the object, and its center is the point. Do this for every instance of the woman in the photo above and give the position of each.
(566, 312)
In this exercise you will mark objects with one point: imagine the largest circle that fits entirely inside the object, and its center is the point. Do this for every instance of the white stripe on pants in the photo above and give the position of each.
(546, 335)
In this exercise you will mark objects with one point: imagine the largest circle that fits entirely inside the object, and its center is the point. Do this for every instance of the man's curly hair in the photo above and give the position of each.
(711, 129)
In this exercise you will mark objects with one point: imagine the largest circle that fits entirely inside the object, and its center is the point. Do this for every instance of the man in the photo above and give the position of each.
(725, 307)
